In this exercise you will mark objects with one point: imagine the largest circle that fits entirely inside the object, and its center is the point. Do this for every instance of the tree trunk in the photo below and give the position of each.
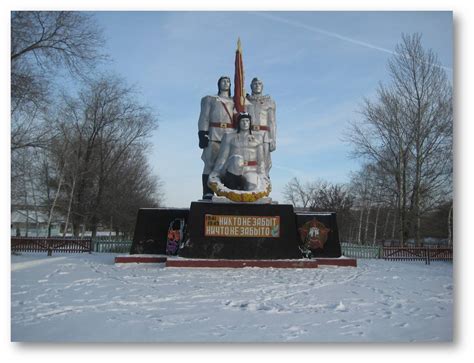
(418, 164)
(375, 225)
(400, 196)
(94, 223)
(76, 228)
(27, 222)
(403, 219)
(418, 239)
(415, 218)
(450, 226)
(25, 190)
(360, 226)
(35, 204)
(69, 206)
(97, 204)
(394, 225)
(54, 205)
(351, 231)
(366, 232)
(384, 235)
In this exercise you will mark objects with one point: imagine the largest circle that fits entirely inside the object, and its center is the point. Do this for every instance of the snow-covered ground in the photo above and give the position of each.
(86, 298)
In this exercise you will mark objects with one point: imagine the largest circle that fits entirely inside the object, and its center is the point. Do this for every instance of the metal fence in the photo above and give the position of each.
(111, 238)
(69, 245)
(111, 246)
(360, 251)
(425, 254)
(50, 245)
(74, 245)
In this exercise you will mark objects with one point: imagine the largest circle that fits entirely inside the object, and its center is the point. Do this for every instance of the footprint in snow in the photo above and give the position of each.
(350, 326)
(353, 333)
(336, 321)
(400, 325)
(293, 332)
(429, 317)
(219, 334)
(340, 307)
(448, 287)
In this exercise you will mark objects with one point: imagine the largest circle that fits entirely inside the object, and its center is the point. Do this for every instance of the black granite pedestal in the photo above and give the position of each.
(327, 242)
(239, 231)
(151, 229)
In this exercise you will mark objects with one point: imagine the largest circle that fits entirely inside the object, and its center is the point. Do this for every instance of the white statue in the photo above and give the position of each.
(262, 110)
(215, 121)
(240, 164)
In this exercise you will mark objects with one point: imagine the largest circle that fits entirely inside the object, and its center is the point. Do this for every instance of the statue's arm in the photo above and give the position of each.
(272, 125)
(203, 123)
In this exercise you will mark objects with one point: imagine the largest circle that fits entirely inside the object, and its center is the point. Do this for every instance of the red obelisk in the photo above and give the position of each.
(239, 91)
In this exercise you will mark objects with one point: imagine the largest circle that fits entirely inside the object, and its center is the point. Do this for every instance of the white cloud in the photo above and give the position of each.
(331, 34)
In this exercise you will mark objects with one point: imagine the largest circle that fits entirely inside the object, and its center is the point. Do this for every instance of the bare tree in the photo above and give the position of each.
(407, 133)
(426, 96)
(337, 198)
(134, 187)
(321, 195)
(331, 197)
(361, 187)
(55, 38)
(382, 137)
(298, 194)
(43, 43)
(44, 46)
(100, 128)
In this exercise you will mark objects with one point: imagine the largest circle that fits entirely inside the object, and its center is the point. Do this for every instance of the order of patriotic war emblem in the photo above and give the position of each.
(314, 234)
(241, 226)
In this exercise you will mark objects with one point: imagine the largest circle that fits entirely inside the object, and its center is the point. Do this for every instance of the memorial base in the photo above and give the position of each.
(240, 231)
(195, 263)
(178, 262)
(141, 259)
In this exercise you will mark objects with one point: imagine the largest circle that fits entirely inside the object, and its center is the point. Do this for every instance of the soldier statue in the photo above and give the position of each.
(240, 163)
(262, 110)
(215, 121)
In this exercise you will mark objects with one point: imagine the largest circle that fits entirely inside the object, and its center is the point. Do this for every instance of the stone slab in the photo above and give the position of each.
(241, 263)
(151, 229)
(332, 246)
(140, 259)
(285, 246)
(350, 262)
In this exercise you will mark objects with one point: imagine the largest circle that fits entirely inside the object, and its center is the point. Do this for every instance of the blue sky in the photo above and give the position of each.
(317, 66)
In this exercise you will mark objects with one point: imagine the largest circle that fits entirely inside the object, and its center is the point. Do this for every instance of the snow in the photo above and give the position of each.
(87, 298)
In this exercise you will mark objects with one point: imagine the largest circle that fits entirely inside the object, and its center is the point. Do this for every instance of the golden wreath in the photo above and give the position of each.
(240, 195)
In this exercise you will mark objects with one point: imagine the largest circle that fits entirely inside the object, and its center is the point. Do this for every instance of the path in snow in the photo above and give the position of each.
(88, 298)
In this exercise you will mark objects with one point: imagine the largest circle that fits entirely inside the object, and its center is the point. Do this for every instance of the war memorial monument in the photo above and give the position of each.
(236, 219)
